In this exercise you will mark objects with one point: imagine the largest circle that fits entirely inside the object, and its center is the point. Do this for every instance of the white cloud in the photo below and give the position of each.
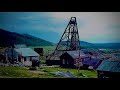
(95, 23)
(92, 26)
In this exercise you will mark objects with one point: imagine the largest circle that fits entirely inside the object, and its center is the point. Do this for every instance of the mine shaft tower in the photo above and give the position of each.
(69, 40)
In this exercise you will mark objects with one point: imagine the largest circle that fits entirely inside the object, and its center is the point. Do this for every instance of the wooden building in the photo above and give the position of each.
(55, 59)
(68, 59)
(109, 69)
(20, 53)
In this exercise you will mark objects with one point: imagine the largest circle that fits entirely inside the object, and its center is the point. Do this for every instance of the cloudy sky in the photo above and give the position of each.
(94, 27)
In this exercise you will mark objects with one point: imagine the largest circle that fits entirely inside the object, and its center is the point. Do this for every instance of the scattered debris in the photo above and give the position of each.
(65, 74)
(90, 67)
(41, 66)
(14, 65)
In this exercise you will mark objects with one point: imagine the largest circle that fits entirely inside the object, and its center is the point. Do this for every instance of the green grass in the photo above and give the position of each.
(19, 72)
(9, 71)
(16, 72)
(88, 73)
(45, 48)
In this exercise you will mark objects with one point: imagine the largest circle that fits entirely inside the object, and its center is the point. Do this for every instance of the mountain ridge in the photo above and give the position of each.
(100, 45)
(9, 38)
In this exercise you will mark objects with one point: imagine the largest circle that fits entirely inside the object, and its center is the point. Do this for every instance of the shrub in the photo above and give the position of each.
(32, 68)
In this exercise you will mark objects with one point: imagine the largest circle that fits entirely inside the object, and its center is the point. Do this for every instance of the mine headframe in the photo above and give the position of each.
(69, 40)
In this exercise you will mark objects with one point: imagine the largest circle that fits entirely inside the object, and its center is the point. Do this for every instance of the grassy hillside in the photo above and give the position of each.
(46, 49)
(10, 38)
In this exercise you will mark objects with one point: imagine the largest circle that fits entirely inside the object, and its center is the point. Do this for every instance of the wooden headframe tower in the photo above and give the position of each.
(69, 40)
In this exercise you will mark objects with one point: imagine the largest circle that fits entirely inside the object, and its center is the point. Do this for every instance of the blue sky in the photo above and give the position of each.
(94, 27)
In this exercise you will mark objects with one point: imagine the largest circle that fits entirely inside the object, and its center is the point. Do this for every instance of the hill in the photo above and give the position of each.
(9, 38)
(84, 44)
(100, 45)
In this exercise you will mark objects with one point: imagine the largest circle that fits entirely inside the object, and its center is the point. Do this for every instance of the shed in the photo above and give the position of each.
(27, 55)
(26, 52)
(24, 55)
(109, 69)
(68, 58)
(54, 59)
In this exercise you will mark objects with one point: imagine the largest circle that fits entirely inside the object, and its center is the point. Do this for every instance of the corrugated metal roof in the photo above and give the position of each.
(26, 52)
(20, 46)
(75, 54)
(91, 62)
(56, 55)
(54, 58)
(108, 65)
(96, 53)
